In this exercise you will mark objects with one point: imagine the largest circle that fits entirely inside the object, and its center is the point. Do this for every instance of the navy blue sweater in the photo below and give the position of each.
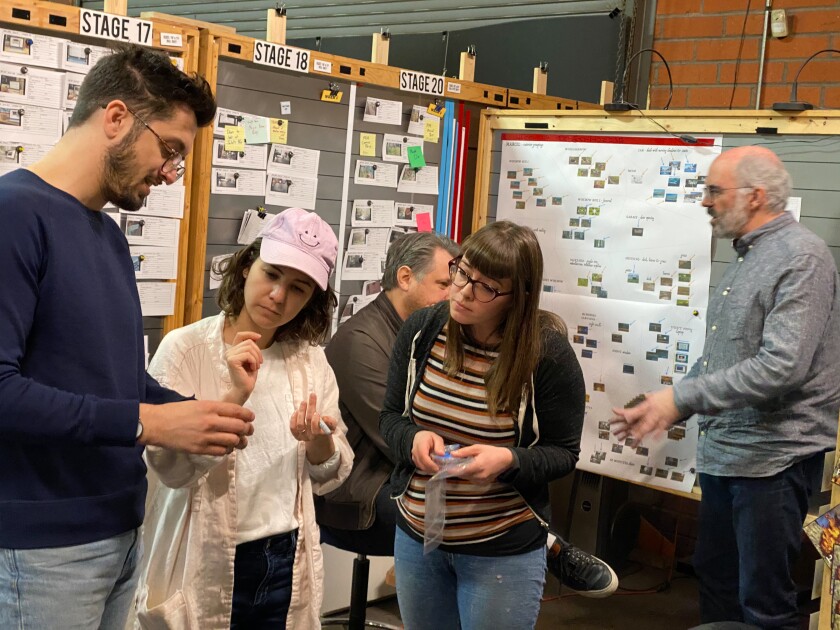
(71, 371)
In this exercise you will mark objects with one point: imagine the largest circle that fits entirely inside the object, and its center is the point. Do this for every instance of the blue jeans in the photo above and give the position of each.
(749, 536)
(262, 582)
(447, 591)
(79, 587)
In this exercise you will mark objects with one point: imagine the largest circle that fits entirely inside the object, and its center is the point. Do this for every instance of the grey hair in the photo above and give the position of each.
(769, 173)
(415, 250)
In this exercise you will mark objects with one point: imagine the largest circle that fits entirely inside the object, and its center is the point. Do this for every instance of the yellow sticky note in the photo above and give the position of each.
(367, 144)
(331, 97)
(431, 129)
(234, 138)
(279, 128)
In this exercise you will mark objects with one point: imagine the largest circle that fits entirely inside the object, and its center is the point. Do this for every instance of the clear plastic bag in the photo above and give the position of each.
(435, 510)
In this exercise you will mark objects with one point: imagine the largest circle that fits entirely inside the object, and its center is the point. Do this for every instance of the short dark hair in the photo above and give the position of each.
(311, 325)
(147, 81)
(415, 250)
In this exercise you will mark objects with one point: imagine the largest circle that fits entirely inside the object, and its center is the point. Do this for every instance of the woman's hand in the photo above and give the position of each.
(488, 462)
(243, 359)
(425, 444)
(305, 425)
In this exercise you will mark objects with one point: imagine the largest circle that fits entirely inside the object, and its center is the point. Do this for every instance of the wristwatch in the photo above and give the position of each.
(139, 429)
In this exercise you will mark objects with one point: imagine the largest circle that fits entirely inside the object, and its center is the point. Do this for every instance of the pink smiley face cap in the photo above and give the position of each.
(301, 240)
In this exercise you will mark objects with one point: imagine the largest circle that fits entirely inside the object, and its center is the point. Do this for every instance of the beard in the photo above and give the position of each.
(119, 171)
(731, 223)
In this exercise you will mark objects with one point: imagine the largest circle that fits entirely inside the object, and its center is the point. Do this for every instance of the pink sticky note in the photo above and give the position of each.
(424, 221)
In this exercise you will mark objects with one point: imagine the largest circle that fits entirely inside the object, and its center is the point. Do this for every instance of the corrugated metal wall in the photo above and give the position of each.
(328, 18)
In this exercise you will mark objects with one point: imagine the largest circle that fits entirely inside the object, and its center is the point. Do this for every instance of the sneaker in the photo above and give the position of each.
(584, 573)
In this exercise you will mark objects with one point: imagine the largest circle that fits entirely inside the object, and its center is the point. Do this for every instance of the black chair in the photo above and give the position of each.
(362, 543)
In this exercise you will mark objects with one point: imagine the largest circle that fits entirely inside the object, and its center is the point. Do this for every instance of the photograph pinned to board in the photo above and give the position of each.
(154, 263)
(396, 233)
(410, 214)
(22, 84)
(289, 160)
(419, 180)
(395, 147)
(379, 110)
(376, 174)
(29, 123)
(226, 181)
(14, 155)
(231, 117)
(72, 85)
(78, 57)
(362, 266)
(291, 190)
(417, 119)
(145, 230)
(368, 240)
(30, 49)
(217, 267)
(372, 213)
(252, 157)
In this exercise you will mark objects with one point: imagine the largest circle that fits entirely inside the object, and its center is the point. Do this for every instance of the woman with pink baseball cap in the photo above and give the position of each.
(231, 542)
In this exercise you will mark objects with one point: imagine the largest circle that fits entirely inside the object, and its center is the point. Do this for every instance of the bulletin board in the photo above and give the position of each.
(550, 149)
(44, 56)
(250, 81)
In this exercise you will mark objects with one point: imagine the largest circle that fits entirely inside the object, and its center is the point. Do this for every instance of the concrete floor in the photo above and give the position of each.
(673, 609)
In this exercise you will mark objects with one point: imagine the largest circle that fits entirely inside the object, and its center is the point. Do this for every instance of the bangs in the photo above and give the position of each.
(491, 255)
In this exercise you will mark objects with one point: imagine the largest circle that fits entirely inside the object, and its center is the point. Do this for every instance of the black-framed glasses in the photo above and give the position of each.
(713, 192)
(175, 162)
(482, 291)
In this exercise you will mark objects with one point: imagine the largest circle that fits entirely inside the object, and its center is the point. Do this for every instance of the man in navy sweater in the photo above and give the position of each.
(76, 404)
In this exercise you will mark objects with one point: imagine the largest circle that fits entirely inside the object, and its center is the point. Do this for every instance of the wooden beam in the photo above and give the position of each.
(275, 26)
(116, 7)
(171, 19)
(380, 48)
(540, 80)
(467, 70)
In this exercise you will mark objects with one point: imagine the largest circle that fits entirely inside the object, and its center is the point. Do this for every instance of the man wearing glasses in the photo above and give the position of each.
(76, 405)
(766, 393)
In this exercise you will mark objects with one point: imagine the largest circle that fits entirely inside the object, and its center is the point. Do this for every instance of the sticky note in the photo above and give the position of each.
(279, 130)
(431, 129)
(415, 157)
(367, 144)
(256, 130)
(234, 138)
(331, 97)
(424, 221)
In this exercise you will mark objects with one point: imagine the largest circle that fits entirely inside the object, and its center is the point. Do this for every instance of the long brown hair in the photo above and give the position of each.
(505, 250)
(311, 325)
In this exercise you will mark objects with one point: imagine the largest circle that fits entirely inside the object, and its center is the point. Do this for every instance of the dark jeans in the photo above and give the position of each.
(749, 535)
(262, 582)
(378, 539)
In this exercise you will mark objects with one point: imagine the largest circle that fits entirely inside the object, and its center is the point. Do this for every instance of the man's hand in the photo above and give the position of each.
(425, 443)
(244, 359)
(200, 427)
(656, 413)
(489, 462)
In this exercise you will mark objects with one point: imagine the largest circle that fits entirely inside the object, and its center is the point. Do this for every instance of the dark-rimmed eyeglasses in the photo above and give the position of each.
(713, 192)
(482, 291)
(175, 162)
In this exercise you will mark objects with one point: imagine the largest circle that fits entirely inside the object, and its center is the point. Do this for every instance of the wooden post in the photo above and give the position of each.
(275, 26)
(607, 88)
(379, 51)
(540, 78)
(117, 7)
(467, 70)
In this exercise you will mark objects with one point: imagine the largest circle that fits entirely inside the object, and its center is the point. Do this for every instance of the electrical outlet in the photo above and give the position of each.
(778, 23)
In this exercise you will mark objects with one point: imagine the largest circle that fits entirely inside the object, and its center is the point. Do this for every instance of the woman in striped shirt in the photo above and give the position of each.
(491, 372)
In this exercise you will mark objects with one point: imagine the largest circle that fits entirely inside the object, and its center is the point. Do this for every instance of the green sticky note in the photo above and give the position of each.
(415, 157)
(256, 130)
